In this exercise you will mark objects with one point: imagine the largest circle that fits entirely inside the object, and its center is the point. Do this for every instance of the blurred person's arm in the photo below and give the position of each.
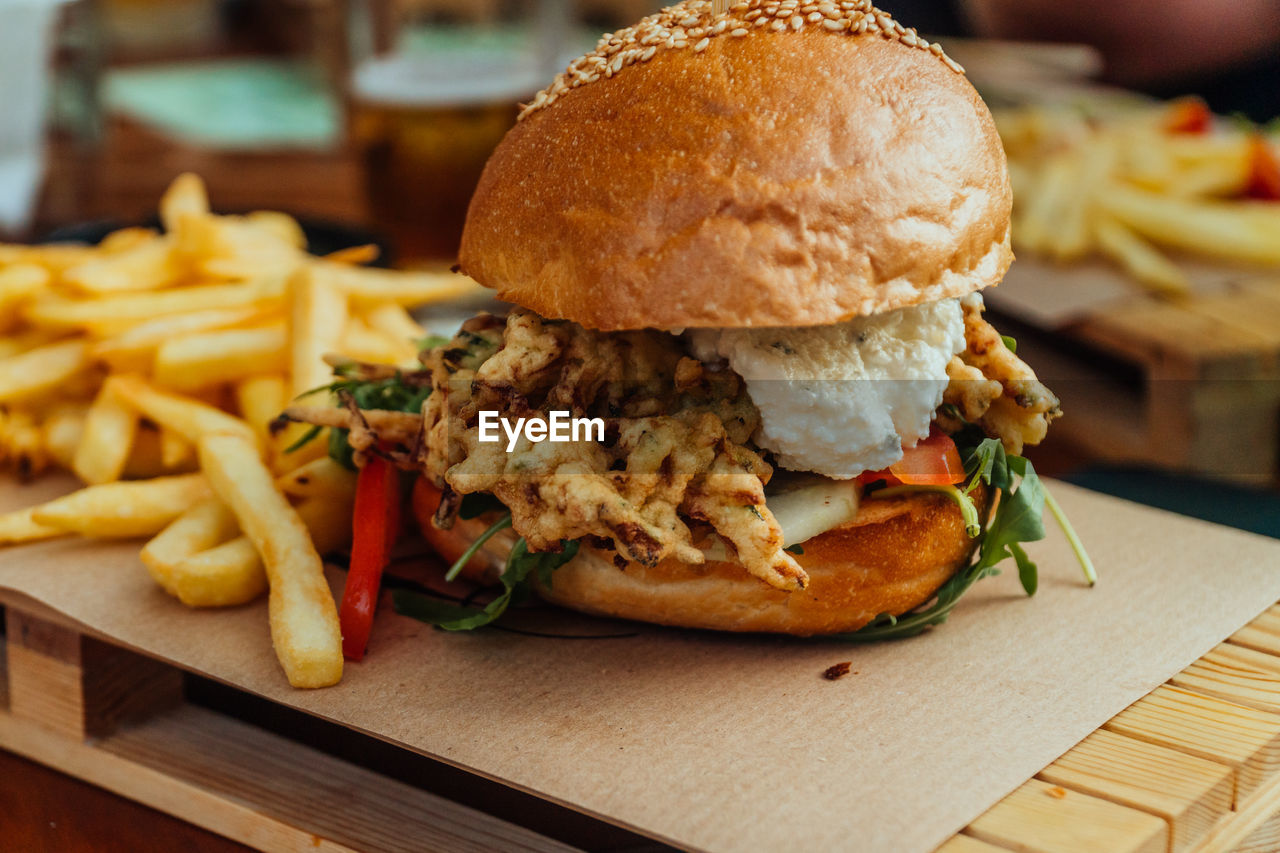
(1142, 41)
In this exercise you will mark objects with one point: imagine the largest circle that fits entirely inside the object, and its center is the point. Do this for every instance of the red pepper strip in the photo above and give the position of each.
(374, 527)
(1264, 171)
(1188, 116)
(933, 461)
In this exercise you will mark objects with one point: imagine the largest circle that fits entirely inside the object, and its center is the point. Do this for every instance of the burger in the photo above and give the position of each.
(744, 250)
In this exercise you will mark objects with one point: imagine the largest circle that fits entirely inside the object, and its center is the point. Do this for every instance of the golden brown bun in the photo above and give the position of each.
(776, 179)
(891, 559)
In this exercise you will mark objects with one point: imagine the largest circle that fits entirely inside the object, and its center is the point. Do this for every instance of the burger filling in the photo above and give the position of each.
(697, 424)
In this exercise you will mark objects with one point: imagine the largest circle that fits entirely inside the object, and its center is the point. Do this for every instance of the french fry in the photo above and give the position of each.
(189, 418)
(317, 315)
(1139, 257)
(124, 239)
(18, 284)
(321, 477)
(1238, 231)
(18, 527)
(363, 343)
(55, 257)
(134, 349)
(175, 451)
(304, 618)
(125, 509)
(222, 576)
(109, 430)
(374, 286)
(186, 196)
(204, 525)
(212, 358)
(110, 312)
(62, 432)
(259, 399)
(395, 322)
(41, 370)
(280, 225)
(25, 341)
(21, 445)
(145, 266)
(354, 255)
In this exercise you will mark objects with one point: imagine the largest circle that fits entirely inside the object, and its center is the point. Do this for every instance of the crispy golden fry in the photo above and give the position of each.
(200, 528)
(186, 196)
(280, 225)
(185, 416)
(328, 519)
(124, 239)
(109, 431)
(1138, 257)
(21, 445)
(318, 314)
(18, 284)
(175, 450)
(392, 320)
(41, 370)
(25, 341)
(212, 358)
(304, 618)
(55, 257)
(62, 432)
(222, 576)
(321, 477)
(363, 343)
(18, 527)
(144, 266)
(1232, 231)
(110, 312)
(133, 349)
(371, 285)
(354, 255)
(124, 509)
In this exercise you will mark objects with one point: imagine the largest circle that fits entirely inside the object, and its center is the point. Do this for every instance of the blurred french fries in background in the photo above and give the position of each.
(118, 361)
(1122, 185)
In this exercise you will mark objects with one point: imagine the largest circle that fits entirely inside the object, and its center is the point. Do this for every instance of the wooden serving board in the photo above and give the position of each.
(1191, 383)
(1193, 767)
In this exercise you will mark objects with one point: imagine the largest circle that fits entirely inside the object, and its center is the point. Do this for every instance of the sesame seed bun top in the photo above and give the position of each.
(750, 174)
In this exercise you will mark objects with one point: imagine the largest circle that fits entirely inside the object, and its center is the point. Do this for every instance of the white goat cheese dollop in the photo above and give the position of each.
(842, 399)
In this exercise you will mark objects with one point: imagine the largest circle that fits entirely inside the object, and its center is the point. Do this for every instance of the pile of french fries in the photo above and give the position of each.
(1127, 185)
(152, 365)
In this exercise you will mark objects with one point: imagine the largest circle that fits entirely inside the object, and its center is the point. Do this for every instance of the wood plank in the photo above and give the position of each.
(1042, 818)
(4, 672)
(1189, 793)
(1262, 634)
(1166, 335)
(1243, 738)
(1237, 674)
(1251, 815)
(265, 791)
(79, 686)
(1264, 839)
(1251, 313)
(968, 844)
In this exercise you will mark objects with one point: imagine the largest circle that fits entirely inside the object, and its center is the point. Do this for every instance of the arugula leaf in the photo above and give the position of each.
(1017, 519)
(1011, 343)
(515, 589)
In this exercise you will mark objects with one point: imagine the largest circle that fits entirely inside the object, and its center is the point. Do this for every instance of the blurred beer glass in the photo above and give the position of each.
(428, 109)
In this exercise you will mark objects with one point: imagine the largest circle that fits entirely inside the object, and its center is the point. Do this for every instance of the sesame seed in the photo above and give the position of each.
(696, 22)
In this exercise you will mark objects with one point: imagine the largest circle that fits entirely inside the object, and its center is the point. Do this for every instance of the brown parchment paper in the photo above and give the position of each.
(737, 743)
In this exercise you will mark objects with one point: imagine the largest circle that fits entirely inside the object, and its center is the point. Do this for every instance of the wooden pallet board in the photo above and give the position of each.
(1192, 767)
(1209, 366)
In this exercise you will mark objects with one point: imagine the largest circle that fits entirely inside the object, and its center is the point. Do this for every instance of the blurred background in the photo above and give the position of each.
(1141, 136)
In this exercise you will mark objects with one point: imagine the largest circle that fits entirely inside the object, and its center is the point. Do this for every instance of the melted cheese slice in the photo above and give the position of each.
(808, 511)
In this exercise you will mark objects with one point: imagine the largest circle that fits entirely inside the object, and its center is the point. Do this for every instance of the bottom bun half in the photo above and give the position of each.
(890, 559)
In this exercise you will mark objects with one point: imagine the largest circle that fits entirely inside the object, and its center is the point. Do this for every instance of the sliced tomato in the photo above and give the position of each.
(375, 526)
(933, 461)
(1189, 115)
(1264, 171)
